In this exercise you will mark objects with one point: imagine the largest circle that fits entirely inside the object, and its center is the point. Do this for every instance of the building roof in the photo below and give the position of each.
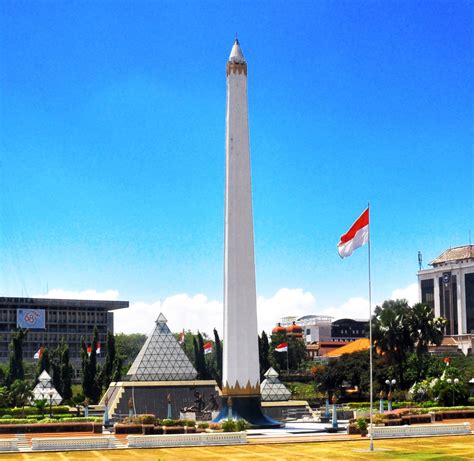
(454, 254)
(236, 54)
(361, 344)
(62, 303)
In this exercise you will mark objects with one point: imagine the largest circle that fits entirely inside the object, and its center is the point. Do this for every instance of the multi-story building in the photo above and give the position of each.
(57, 319)
(349, 329)
(448, 287)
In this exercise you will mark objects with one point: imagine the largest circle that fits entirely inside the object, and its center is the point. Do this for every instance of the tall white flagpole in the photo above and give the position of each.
(370, 345)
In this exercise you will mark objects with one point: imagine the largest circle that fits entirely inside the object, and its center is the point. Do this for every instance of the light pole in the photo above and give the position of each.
(334, 412)
(452, 381)
(381, 409)
(50, 393)
(390, 383)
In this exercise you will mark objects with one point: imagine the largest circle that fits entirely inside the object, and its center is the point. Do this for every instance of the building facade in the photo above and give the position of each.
(68, 319)
(448, 287)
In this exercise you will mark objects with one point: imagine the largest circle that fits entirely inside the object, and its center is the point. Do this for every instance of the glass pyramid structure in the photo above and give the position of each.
(272, 389)
(161, 358)
(45, 390)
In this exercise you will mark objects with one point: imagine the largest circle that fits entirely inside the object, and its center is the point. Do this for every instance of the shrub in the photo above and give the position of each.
(188, 423)
(7, 417)
(228, 425)
(215, 426)
(169, 422)
(361, 424)
(203, 425)
(241, 425)
(146, 419)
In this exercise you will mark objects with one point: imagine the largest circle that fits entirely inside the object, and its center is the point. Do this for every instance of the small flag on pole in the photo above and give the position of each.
(38, 354)
(446, 360)
(97, 350)
(89, 350)
(282, 347)
(208, 348)
(356, 236)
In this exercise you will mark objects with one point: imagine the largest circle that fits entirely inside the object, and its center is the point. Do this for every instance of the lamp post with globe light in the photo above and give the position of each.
(454, 381)
(390, 383)
(50, 394)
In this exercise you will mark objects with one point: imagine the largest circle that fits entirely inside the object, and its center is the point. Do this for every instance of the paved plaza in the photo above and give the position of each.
(427, 448)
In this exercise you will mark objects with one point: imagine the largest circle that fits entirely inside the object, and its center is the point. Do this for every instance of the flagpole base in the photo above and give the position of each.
(248, 409)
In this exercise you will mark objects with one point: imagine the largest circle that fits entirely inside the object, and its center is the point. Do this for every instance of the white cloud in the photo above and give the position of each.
(181, 310)
(410, 293)
(354, 308)
(198, 312)
(285, 302)
(59, 293)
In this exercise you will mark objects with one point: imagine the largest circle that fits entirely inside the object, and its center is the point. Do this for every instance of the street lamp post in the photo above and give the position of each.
(50, 393)
(390, 383)
(334, 412)
(381, 407)
(452, 381)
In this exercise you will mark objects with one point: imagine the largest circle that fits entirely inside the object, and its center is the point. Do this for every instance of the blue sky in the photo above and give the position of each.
(112, 128)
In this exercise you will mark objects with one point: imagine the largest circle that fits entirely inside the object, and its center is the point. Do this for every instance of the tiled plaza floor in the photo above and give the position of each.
(427, 448)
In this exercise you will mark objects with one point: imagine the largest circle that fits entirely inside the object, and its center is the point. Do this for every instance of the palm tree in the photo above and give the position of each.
(425, 327)
(21, 393)
(392, 334)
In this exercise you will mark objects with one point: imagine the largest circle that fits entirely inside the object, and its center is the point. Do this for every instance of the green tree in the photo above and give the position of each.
(264, 354)
(109, 360)
(218, 357)
(278, 360)
(56, 367)
(66, 373)
(201, 367)
(41, 405)
(392, 334)
(128, 346)
(425, 328)
(15, 369)
(117, 370)
(90, 377)
(21, 393)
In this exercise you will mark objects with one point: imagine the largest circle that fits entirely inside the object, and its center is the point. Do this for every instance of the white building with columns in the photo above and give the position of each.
(448, 287)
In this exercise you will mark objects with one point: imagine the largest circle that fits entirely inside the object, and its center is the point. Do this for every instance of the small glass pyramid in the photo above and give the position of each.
(161, 358)
(272, 389)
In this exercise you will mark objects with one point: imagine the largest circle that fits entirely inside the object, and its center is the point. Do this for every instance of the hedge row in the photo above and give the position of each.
(96, 428)
(26, 411)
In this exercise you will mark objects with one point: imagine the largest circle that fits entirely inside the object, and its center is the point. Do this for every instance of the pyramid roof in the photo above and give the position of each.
(161, 358)
(272, 389)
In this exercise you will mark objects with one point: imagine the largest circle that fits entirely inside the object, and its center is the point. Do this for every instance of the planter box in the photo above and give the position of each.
(147, 429)
(173, 430)
(128, 428)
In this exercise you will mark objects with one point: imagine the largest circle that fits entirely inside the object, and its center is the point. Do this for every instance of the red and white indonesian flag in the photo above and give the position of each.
(97, 350)
(89, 350)
(181, 337)
(355, 237)
(38, 354)
(282, 347)
(208, 348)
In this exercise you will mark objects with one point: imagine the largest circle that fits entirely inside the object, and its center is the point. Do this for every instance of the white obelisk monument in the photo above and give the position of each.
(240, 376)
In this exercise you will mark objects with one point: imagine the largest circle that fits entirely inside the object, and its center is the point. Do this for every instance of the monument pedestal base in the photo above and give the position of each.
(247, 408)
